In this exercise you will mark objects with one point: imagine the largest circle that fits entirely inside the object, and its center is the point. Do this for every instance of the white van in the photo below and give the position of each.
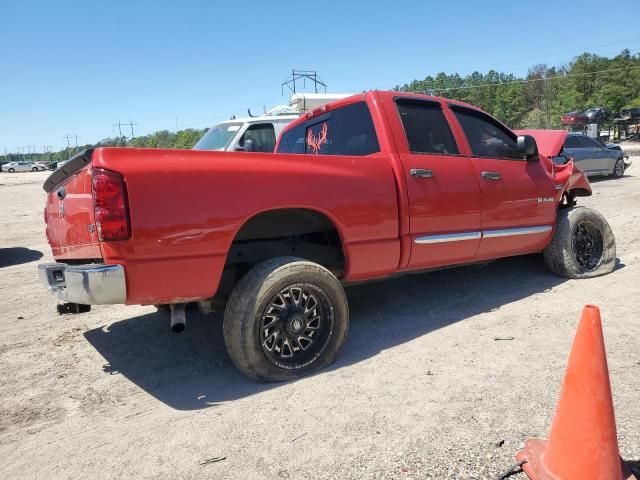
(262, 132)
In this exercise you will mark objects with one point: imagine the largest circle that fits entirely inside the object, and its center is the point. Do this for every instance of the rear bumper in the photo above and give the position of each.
(92, 284)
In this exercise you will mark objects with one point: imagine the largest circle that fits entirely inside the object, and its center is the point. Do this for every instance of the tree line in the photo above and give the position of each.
(536, 100)
(545, 93)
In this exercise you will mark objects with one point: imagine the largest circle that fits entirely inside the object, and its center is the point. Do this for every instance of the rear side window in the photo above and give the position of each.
(263, 135)
(346, 131)
(572, 141)
(426, 128)
(487, 137)
(587, 142)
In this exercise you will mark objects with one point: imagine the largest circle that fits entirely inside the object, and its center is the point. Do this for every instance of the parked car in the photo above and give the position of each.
(12, 167)
(630, 114)
(62, 163)
(41, 166)
(594, 158)
(370, 186)
(596, 114)
(574, 119)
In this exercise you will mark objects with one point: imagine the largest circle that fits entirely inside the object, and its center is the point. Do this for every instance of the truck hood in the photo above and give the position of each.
(549, 142)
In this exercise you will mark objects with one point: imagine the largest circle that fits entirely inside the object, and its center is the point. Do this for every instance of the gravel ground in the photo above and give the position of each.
(422, 390)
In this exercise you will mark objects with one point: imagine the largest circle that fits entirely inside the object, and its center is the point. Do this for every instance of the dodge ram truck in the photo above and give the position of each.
(366, 187)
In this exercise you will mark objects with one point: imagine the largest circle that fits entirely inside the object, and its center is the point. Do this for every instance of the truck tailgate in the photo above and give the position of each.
(69, 212)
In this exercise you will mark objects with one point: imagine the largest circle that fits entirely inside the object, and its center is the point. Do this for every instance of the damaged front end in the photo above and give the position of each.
(568, 177)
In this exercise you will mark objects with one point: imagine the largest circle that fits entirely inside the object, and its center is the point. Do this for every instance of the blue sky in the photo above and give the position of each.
(78, 67)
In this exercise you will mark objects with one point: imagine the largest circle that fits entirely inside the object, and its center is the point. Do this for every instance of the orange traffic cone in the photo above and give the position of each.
(583, 443)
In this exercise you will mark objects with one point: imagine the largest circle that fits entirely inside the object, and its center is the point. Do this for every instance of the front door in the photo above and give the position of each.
(519, 197)
(443, 190)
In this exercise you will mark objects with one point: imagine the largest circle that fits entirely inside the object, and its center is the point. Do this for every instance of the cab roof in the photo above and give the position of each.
(383, 94)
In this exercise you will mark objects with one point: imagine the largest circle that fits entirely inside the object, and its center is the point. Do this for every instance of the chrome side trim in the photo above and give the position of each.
(449, 237)
(458, 237)
(507, 232)
(92, 284)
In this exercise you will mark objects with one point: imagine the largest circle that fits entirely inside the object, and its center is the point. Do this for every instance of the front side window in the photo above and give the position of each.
(486, 136)
(426, 128)
(346, 131)
(263, 136)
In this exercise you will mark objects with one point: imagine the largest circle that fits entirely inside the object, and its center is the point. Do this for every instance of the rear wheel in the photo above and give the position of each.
(34, 169)
(583, 245)
(618, 169)
(286, 318)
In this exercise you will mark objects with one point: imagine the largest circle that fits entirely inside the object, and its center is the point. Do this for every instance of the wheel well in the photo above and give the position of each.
(285, 232)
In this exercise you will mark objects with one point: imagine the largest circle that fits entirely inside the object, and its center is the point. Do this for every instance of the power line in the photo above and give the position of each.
(569, 75)
(562, 52)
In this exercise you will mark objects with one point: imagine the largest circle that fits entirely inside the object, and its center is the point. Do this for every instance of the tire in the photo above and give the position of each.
(583, 245)
(34, 169)
(263, 320)
(12, 170)
(618, 169)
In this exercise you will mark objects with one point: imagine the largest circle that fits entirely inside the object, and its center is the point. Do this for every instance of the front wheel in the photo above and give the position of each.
(286, 318)
(618, 169)
(34, 169)
(583, 245)
(12, 170)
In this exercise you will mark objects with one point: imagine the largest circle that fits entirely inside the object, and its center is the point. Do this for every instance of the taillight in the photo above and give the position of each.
(111, 206)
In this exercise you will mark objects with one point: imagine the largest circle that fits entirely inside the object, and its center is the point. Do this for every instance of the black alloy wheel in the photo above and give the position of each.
(587, 245)
(296, 325)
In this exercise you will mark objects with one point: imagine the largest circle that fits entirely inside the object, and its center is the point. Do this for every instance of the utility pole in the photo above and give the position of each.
(47, 149)
(76, 143)
(68, 138)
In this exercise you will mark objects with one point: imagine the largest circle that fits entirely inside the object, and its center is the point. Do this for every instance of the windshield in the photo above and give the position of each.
(218, 137)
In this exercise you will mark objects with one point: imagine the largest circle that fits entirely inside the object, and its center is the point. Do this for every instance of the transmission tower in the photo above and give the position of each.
(304, 75)
(125, 138)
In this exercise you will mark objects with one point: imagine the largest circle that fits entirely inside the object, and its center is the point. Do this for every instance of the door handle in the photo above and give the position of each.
(491, 175)
(421, 173)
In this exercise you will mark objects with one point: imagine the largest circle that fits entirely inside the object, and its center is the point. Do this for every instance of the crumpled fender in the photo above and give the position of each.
(573, 179)
(550, 143)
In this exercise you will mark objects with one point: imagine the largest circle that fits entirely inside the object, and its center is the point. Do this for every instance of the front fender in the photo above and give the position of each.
(573, 180)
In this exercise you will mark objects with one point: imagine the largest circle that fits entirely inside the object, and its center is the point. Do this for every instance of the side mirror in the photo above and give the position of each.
(527, 146)
(249, 146)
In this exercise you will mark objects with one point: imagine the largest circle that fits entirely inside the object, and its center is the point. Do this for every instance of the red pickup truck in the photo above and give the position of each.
(366, 187)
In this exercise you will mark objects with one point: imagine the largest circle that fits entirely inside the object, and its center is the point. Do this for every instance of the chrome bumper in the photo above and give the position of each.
(92, 284)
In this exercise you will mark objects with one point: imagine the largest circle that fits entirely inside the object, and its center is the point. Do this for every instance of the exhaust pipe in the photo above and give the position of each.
(178, 317)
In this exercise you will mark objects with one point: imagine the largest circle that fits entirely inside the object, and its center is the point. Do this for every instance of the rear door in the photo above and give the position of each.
(600, 161)
(583, 153)
(518, 196)
(444, 192)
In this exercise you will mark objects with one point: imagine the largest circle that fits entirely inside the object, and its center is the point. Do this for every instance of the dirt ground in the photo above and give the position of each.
(422, 390)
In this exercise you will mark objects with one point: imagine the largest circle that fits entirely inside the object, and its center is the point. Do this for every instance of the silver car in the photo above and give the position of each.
(19, 167)
(593, 158)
